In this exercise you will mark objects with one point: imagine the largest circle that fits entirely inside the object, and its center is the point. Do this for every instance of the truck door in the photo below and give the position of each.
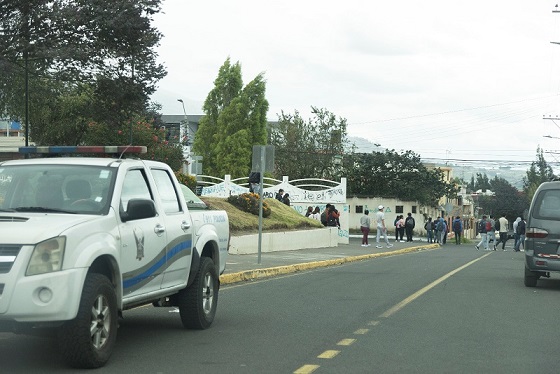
(178, 229)
(143, 240)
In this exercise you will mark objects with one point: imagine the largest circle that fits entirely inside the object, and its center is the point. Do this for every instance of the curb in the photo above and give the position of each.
(252, 275)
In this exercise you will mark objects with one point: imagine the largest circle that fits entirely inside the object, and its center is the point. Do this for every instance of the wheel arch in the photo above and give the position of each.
(211, 250)
(107, 265)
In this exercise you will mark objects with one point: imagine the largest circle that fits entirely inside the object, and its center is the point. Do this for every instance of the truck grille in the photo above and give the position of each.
(8, 254)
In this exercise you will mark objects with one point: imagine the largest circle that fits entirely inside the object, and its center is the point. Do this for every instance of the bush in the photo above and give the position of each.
(249, 202)
(186, 179)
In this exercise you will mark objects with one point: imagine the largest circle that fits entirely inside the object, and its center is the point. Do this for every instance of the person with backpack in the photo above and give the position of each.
(457, 229)
(409, 224)
(502, 227)
(482, 231)
(491, 231)
(333, 217)
(440, 228)
(429, 230)
(521, 225)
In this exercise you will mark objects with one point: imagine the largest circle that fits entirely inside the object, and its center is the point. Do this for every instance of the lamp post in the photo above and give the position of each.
(186, 149)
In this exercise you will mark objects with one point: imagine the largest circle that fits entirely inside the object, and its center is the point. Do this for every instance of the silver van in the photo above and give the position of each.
(542, 235)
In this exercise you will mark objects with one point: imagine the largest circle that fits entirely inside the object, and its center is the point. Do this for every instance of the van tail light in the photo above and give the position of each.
(536, 233)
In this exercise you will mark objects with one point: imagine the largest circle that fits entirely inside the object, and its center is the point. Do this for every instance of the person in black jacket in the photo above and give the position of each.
(409, 224)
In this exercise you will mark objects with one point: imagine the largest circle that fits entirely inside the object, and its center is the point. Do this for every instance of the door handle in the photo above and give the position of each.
(185, 225)
(159, 229)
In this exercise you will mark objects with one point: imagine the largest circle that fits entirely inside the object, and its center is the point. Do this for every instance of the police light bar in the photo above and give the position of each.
(108, 149)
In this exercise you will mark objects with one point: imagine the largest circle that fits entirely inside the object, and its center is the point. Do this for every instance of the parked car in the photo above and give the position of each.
(542, 243)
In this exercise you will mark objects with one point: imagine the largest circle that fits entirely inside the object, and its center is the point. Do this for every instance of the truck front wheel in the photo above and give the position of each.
(198, 302)
(87, 341)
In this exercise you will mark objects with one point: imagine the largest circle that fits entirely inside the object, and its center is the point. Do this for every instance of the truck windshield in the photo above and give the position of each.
(76, 189)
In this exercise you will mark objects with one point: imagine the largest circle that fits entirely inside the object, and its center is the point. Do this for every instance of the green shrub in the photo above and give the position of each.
(249, 202)
(186, 179)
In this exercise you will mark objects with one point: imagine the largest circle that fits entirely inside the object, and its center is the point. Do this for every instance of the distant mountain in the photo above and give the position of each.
(364, 146)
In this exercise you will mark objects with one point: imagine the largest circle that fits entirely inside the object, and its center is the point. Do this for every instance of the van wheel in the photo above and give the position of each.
(87, 341)
(531, 278)
(198, 302)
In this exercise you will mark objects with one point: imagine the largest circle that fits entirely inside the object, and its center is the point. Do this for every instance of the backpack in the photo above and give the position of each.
(324, 218)
(457, 225)
(497, 225)
(439, 225)
(488, 226)
(521, 228)
(331, 220)
(409, 222)
(482, 226)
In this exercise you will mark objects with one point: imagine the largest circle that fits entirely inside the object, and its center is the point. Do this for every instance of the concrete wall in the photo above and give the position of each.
(284, 241)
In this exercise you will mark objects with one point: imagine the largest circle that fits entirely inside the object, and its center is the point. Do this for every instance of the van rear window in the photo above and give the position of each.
(547, 205)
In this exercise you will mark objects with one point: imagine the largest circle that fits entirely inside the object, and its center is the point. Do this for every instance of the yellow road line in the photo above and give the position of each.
(346, 342)
(328, 354)
(306, 369)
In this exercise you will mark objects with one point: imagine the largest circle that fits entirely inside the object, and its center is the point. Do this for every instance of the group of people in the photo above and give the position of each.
(488, 226)
(436, 230)
(403, 225)
(329, 217)
(283, 197)
(365, 223)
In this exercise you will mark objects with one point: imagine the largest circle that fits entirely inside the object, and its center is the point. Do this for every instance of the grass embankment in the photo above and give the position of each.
(282, 217)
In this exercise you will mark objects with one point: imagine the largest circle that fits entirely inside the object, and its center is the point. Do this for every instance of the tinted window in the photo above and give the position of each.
(547, 205)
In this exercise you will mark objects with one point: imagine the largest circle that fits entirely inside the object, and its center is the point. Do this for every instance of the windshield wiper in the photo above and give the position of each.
(41, 209)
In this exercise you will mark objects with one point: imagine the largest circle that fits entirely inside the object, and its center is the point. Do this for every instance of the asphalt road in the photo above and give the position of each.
(449, 310)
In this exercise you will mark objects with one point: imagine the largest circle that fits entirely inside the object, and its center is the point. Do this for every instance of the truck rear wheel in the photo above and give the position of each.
(87, 341)
(198, 302)
(531, 278)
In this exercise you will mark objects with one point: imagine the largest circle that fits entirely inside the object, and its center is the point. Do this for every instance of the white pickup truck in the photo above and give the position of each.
(83, 239)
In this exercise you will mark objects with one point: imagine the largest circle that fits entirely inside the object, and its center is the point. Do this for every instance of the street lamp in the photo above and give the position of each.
(187, 148)
(181, 130)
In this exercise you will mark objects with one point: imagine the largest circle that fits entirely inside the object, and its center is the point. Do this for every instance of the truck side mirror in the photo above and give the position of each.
(138, 209)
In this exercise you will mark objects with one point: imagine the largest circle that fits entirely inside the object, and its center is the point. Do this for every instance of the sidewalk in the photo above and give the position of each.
(246, 267)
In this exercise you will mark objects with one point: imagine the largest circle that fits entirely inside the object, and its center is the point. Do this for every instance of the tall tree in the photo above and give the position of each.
(309, 149)
(539, 172)
(396, 175)
(506, 200)
(234, 121)
(68, 47)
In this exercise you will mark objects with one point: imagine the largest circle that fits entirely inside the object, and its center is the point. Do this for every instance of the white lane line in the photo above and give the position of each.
(422, 291)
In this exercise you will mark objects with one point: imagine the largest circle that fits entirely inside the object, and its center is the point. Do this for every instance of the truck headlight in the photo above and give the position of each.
(47, 256)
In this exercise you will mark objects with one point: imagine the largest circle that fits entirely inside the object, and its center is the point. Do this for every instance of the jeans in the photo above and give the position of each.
(408, 233)
(430, 236)
(483, 240)
(457, 237)
(378, 235)
(491, 235)
(520, 241)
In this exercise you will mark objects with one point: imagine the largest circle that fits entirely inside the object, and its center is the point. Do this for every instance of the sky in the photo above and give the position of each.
(460, 81)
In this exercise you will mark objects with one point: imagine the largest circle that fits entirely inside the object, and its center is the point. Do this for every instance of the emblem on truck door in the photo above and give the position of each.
(139, 237)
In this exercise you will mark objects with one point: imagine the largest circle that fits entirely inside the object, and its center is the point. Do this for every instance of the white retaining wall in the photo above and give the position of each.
(284, 241)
